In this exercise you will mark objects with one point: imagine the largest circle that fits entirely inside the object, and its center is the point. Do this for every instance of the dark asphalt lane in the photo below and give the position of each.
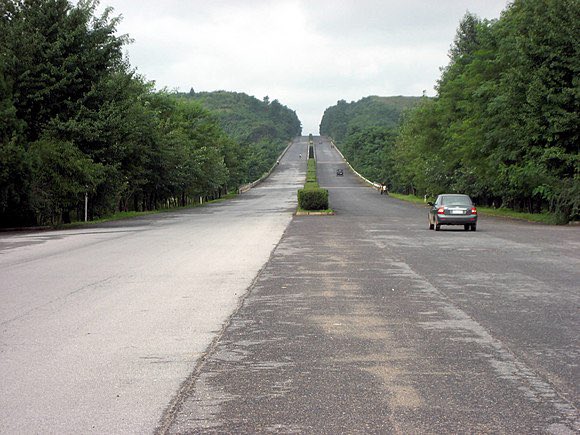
(366, 321)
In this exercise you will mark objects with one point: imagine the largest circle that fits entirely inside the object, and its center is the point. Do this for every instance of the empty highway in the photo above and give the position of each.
(240, 318)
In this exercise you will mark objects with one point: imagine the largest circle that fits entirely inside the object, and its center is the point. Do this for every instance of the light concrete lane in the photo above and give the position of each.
(100, 326)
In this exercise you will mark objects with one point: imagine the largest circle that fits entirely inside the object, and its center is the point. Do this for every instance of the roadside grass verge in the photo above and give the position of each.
(544, 218)
(133, 214)
(408, 198)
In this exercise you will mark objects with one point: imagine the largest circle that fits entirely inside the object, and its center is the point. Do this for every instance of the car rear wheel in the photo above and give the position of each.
(473, 227)
(466, 227)
(437, 227)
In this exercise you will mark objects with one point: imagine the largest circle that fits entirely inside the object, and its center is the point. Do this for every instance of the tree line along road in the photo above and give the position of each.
(239, 318)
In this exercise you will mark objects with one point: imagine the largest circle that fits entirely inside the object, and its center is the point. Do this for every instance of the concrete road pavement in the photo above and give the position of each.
(100, 326)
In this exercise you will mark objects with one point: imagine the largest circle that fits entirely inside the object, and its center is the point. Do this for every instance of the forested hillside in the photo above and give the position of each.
(385, 112)
(261, 127)
(504, 127)
(76, 119)
(366, 130)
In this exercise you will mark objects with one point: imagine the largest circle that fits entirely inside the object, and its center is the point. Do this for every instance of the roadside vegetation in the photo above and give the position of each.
(366, 130)
(261, 128)
(120, 215)
(76, 119)
(504, 126)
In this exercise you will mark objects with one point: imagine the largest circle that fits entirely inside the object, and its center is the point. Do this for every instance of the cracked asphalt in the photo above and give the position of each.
(367, 322)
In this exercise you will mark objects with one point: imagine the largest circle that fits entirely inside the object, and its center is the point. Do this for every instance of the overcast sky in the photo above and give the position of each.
(308, 54)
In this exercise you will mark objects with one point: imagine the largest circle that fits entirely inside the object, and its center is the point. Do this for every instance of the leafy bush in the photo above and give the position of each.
(313, 198)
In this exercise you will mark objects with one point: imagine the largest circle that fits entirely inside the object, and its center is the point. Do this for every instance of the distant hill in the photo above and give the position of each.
(262, 128)
(372, 111)
(366, 131)
(247, 119)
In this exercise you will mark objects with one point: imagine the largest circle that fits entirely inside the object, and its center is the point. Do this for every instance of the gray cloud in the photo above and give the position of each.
(307, 54)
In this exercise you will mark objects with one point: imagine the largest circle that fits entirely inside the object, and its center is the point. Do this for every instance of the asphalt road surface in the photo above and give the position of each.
(366, 321)
(237, 317)
(100, 326)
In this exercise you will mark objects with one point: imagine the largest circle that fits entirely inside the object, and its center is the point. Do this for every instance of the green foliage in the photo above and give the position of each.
(54, 53)
(504, 127)
(261, 128)
(313, 198)
(15, 176)
(61, 174)
(75, 118)
(338, 121)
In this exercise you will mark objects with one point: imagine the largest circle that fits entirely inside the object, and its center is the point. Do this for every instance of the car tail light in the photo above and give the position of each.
(441, 210)
(473, 210)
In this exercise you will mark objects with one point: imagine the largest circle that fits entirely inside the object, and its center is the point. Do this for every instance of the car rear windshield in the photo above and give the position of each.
(455, 200)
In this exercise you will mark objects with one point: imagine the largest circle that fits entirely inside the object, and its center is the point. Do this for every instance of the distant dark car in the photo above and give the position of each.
(453, 209)
(339, 172)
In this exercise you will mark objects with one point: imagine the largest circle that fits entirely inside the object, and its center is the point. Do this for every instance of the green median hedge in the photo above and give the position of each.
(313, 197)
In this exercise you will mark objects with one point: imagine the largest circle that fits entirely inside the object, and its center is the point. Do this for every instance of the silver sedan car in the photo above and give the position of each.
(453, 209)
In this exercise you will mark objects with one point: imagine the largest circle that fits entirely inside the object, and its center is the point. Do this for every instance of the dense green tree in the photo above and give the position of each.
(61, 175)
(504, 126)
(55, 52)
(539, 54)
(15, 178)
(416, 152)
(75, 119)
(373, 111)
(261, 128)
